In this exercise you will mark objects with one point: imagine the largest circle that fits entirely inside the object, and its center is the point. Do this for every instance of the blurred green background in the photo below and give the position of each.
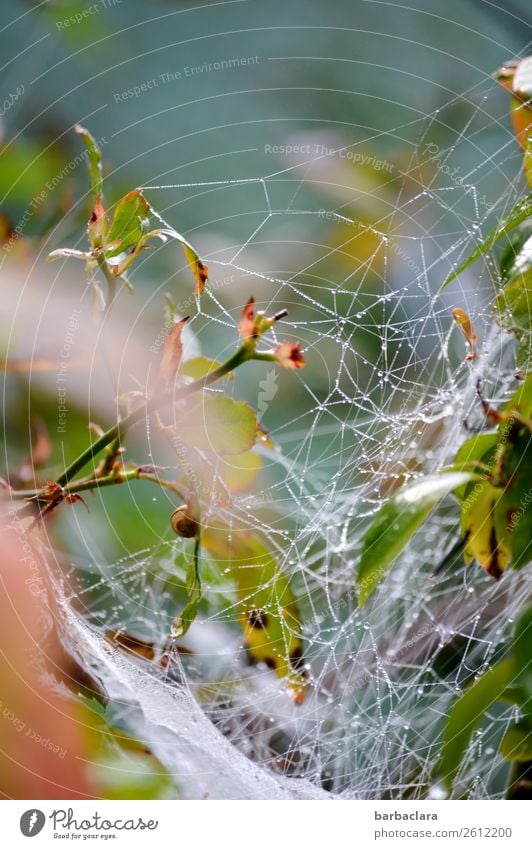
(407, 90)
(182, 94)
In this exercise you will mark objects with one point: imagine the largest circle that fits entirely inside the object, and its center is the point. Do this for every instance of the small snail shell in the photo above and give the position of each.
(183, 524)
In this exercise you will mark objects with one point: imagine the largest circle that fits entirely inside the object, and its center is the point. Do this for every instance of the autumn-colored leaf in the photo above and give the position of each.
(198, 268)
(6, 229)
(516, 77)
(485, 540)
(142, 649)
(41, 450)
(288, 355)
(172, 352)
(98, 226)
(267, 609)
(246, 325)
(239, 472)
(466, 326)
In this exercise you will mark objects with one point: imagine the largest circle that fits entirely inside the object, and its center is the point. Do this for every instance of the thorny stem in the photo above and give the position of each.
(116, 433)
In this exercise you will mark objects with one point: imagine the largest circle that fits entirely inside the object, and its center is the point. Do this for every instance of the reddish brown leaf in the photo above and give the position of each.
(98, 225)
(143, 650)
(466, 326)
(172, 352)
(198, 268)
(40, 452)
(6, 229)
(246, 325)
(42, 447)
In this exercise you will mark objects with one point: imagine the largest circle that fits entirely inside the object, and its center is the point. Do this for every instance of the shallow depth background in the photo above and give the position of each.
(391, 120)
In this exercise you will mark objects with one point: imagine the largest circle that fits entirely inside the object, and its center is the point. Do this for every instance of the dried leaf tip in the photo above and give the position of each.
(198, 268)
(246, 325)
(466, 326)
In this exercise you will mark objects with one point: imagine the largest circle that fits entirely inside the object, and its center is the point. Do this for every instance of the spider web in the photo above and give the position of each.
(381, 680)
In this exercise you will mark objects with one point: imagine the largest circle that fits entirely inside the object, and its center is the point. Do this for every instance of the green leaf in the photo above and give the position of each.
(513, 312)
(219, 424)
(397, 521)
(512, 249)
(522, 649)
(239, 472)
(527, 162)
(267, 609)
(474, 454)
(521, 211)
(516, 744)
(522, 261)
(466, 715)
(514, 507)
(521, 401)
(199, 367)
(94, 163)
(172, 352)
(130, 223)
(182, 623)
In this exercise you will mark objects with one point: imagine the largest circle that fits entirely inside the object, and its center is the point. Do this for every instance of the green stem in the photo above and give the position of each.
(123, 476)
(110, 459)
(264, 357)
(113, 479)
(117, 432)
